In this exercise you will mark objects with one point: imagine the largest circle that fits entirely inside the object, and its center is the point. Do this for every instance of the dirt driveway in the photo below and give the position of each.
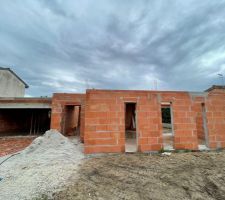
(144, 176)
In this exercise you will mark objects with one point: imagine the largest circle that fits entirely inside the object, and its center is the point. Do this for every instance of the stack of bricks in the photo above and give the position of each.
(10, 145)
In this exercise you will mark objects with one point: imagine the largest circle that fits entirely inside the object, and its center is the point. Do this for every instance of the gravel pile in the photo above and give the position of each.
(41, 169)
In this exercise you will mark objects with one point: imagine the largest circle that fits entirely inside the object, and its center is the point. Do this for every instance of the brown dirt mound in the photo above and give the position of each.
(143, 176)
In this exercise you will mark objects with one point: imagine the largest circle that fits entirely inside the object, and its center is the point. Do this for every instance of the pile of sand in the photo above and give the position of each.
(43, 168)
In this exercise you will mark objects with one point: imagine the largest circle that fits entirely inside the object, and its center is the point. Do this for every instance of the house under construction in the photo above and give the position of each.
(123, 120)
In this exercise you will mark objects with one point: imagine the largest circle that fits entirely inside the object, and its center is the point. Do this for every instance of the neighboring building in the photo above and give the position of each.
(11, 85)
(216, 88)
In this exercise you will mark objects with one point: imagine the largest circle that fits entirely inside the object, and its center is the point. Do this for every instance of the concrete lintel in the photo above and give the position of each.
(165, 103)
(24, 105)
(198, 94)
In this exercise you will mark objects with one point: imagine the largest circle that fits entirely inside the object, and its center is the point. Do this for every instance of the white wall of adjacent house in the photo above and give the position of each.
(10, 85)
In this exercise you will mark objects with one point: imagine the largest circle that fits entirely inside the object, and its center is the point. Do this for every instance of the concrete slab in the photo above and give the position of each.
(24, 105)
(203, 147)
(168, 141)
(131, 145)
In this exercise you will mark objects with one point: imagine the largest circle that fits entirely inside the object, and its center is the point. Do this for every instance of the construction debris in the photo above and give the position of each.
(166, 153)
(43, 168)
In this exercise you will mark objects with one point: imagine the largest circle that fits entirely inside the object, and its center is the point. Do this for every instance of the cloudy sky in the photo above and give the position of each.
(71, 45)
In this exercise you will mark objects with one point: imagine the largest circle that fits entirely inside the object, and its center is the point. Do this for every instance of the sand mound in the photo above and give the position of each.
(42, 168)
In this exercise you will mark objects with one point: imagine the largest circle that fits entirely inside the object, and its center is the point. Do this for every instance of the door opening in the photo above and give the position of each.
(203, 132)
(167, 127)
(130, 127)
(72, 120)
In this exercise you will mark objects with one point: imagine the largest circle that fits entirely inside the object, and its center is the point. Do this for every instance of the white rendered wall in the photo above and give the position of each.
(10, 86)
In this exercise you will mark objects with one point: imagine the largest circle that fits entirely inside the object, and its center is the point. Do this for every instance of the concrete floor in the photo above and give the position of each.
(131, 145)
(131, 141)
(167, 130)
(168, 141)
(202, 144)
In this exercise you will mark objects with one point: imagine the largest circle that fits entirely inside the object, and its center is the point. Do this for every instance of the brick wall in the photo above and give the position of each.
(59, 103)
(105, 120)
(184, 119)
(215, 111)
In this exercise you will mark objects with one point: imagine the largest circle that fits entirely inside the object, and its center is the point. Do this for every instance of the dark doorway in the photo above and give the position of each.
(72, 120)
(130, 127)
(167, 126)
(24, 121)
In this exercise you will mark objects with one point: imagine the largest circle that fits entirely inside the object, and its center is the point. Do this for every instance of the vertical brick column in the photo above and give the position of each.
(215, 112)
(103, 122)
(57, 113)
(149, 123)
(185, 130)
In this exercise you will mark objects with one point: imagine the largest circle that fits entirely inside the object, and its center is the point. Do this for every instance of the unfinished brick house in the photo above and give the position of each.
(124, 120)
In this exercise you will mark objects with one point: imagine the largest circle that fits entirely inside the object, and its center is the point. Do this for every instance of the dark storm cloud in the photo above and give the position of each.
(67, 46)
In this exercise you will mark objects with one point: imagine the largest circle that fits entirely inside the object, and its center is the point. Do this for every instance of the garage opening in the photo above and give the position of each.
(167, 126)
(14, 122)
(202, 131)
(130, 127)
(72, 120)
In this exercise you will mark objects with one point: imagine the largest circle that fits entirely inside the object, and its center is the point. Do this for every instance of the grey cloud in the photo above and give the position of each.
(65, 46)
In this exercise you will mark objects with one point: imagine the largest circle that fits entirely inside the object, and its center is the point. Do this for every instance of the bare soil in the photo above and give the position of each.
(145, 176)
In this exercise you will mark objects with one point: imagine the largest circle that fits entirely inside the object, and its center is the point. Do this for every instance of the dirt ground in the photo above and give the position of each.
(146, 176)
(13, 144)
